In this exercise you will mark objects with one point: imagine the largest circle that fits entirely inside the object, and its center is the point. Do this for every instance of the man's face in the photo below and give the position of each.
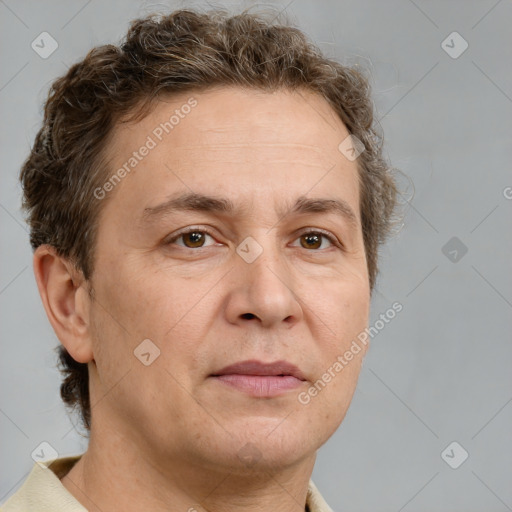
(260, 283)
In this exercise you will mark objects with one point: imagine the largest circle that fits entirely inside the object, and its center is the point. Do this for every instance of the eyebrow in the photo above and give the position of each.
(203, 203)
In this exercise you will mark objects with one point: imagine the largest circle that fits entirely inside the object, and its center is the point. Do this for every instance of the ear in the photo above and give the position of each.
(65, 298)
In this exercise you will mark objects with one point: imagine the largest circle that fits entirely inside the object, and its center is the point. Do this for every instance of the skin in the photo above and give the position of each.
(169, 433)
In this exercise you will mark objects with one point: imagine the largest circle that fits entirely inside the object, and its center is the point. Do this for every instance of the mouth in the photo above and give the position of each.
(261, 380)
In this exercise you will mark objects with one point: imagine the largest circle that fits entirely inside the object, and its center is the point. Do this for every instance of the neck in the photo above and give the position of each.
(116, 474)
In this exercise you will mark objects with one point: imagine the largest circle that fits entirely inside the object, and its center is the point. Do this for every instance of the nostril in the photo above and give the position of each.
(248, 316)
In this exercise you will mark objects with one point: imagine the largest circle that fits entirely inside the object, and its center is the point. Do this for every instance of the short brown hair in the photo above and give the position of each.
(164, 55)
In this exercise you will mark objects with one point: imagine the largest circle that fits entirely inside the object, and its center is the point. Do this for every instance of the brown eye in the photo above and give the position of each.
(313, 240)
(194, 238)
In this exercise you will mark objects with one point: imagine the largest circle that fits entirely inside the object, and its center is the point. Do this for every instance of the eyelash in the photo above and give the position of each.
(333, 240)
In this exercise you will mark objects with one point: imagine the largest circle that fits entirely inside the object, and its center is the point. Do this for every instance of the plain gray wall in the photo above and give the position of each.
(440, 371)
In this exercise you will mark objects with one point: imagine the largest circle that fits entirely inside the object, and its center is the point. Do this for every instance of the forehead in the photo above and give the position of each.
(239, 118)
(235, 139)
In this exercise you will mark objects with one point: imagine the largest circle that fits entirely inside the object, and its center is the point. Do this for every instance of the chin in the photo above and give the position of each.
(271, 443)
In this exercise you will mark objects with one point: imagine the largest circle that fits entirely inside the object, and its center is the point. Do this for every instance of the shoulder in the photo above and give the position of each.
(42, 490)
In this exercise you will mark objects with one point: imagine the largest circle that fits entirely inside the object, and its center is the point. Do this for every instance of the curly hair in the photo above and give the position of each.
(163, 55)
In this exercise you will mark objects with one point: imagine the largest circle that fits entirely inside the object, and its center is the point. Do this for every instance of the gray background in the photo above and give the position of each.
(440, 371)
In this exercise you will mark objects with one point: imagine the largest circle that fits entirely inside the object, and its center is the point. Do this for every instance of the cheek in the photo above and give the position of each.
(346, 305)
(349, 350)
(355, 318)
(342, 353)
(134, 298)
(154, 306)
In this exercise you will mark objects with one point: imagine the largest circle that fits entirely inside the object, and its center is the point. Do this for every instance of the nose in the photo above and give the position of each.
(263, 290)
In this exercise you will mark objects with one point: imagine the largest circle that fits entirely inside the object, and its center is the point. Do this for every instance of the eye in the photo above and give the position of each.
(313, 239)
(193, 238)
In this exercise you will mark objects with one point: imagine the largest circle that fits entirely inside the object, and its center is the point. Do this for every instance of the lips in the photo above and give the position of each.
(261, 380)
(257, 368)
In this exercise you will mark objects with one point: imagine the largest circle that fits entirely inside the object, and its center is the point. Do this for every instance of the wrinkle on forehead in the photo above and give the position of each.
(255, 153)
(286, 120)
(253, 137)
(250, 145)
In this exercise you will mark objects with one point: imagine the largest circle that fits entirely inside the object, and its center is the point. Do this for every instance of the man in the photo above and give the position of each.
(206, 203)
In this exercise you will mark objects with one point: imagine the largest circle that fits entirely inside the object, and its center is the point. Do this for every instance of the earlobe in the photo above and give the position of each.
(65, 300)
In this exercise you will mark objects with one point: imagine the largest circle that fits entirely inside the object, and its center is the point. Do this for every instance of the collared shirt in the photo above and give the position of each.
(43, 491)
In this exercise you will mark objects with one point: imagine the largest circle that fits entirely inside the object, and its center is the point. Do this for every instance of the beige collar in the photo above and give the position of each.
(44, 488)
